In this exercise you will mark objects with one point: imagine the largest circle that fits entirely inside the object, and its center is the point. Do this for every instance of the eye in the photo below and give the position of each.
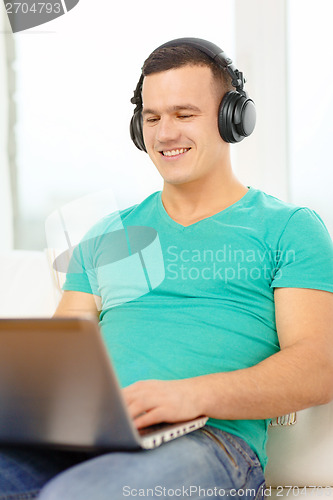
(185, 116)
(151, 120)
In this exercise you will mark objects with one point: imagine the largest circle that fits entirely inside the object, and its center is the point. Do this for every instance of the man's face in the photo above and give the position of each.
(180, 130)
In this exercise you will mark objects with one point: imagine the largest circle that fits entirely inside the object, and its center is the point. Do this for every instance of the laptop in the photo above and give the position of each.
(58, 389)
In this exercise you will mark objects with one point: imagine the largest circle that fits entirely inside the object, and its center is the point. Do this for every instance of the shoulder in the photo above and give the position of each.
(301, 243)
(118, 219)
(270, 205)
(271, 211)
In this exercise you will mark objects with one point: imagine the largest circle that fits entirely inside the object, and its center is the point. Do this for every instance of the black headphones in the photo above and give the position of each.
(237, 113)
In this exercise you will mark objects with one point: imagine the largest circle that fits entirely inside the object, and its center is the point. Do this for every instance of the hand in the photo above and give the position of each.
(153, 401)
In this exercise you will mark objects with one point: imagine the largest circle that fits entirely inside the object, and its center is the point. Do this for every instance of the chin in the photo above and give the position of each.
(177, 181)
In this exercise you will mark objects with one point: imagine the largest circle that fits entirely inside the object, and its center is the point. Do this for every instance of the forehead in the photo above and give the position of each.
(192, 84)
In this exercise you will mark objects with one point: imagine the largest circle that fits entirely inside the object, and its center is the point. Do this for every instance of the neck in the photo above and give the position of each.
(190, 202)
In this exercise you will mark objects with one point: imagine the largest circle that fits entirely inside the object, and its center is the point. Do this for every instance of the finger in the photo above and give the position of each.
(139, 389)
(137, 408)
(129, 393)
(132, 395)
(154, 416)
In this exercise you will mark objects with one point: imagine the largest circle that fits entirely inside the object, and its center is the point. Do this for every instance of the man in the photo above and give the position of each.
(240, 327)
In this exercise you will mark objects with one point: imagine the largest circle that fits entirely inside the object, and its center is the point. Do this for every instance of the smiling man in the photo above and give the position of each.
(183, 141)
(239, 330)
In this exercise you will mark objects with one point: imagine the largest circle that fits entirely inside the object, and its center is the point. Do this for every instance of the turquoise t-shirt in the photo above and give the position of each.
(180, 302)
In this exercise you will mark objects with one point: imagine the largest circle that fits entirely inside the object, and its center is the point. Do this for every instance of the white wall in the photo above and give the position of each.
(310, 82)
(285, 50)
(260, 33)
(6, 215)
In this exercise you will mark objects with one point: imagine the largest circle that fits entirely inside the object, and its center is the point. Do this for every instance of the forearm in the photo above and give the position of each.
(78, 304)
(299, 376)
(290, 380)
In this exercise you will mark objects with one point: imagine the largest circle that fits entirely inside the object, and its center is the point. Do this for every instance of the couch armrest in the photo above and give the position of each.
(302, 454)
(26, 287)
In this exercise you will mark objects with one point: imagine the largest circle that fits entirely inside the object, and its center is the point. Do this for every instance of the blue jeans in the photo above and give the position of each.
(205, 463)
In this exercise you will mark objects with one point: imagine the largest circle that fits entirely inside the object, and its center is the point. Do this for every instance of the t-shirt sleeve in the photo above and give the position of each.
(81, 274)
(304, 256)
(92, 252)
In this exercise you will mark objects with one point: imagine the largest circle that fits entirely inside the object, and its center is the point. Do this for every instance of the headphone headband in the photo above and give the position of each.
(213, 52)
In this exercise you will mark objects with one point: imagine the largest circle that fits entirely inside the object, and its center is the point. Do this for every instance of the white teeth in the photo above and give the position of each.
(175, 152)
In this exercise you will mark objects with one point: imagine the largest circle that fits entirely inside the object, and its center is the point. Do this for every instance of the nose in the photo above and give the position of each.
(166, 130)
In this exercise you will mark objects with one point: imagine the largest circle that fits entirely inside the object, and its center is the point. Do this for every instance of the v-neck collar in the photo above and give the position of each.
(166, 217)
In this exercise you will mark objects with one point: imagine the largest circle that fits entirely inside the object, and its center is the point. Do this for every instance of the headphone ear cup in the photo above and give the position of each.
(136, 131)
(225, 116)
(236, 117)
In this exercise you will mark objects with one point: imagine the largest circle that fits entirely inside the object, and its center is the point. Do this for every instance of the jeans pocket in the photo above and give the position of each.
(243, 448)
(219, 441)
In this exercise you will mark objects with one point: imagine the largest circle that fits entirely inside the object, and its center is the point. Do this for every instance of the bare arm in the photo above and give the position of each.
(299, 376)
(77, 304)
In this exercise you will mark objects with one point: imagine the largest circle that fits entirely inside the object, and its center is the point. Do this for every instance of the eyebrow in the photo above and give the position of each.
(182, 107)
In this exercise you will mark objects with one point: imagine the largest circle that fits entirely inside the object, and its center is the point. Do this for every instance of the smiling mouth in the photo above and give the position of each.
(174, 152)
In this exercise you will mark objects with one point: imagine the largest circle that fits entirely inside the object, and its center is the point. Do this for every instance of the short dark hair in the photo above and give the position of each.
(185, 55)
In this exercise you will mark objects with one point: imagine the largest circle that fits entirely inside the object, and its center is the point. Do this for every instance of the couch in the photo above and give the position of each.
(300, 455)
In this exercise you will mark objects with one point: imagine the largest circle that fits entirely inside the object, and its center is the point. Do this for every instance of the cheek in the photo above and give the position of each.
(148, 136)
(149, 140)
